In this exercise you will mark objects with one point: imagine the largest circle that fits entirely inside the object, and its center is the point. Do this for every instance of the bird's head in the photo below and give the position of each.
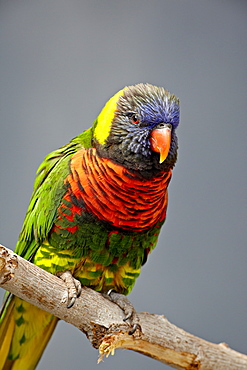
(136, 128)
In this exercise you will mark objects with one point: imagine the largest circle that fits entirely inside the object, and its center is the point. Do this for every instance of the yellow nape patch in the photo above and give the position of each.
(103, 127)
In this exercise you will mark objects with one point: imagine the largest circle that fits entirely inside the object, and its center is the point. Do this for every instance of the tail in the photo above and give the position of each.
(24, 333)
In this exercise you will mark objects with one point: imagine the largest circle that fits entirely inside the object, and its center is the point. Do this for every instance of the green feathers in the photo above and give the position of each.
(97, 208)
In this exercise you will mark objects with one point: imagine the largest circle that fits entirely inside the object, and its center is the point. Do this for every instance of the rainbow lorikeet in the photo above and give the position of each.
(96, 210)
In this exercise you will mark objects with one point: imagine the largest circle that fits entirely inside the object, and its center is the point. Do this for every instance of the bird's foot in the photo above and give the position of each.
(73, 288)
(127, 307)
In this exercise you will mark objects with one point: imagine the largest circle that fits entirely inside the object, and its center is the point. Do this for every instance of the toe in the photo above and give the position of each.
(73, 287)
(127, 307)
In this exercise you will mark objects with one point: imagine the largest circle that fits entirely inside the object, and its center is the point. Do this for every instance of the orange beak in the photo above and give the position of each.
(160, 140)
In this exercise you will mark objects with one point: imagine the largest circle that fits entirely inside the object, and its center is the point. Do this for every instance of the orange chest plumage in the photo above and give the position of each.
(114, 194)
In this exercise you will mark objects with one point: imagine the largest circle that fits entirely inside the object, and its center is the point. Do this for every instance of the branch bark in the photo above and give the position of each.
(102, 321)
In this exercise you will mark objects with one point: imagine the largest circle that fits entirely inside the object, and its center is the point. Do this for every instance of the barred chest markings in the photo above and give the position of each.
(113, 194)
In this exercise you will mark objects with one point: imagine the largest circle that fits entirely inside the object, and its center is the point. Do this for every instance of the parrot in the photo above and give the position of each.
(96, 211)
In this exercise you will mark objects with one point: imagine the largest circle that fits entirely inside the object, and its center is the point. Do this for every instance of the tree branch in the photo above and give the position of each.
(102, 321)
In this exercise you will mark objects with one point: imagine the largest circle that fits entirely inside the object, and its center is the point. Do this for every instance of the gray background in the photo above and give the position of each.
(60, 62)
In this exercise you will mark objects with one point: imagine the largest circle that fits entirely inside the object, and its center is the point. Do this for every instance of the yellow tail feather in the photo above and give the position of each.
(24, 333)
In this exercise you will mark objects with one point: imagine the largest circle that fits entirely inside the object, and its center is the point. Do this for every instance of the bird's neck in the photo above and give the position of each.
(122, 198)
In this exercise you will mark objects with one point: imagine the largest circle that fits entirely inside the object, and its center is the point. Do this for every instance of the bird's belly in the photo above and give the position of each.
(102, 278)
(92, 274)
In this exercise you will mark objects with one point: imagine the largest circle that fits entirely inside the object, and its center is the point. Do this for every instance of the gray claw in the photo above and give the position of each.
(73, 288)
(71, 303)
(127, 307)
(128, 316)
(135, 327)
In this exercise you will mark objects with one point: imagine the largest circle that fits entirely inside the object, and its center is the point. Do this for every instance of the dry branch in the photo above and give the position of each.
(102, 321)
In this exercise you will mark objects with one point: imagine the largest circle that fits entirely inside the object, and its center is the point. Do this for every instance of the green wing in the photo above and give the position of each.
(48, 191)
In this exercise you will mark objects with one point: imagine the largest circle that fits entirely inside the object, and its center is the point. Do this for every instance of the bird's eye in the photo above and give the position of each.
(133, 117)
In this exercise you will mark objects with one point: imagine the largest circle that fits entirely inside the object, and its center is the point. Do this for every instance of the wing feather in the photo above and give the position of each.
(49, 188)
